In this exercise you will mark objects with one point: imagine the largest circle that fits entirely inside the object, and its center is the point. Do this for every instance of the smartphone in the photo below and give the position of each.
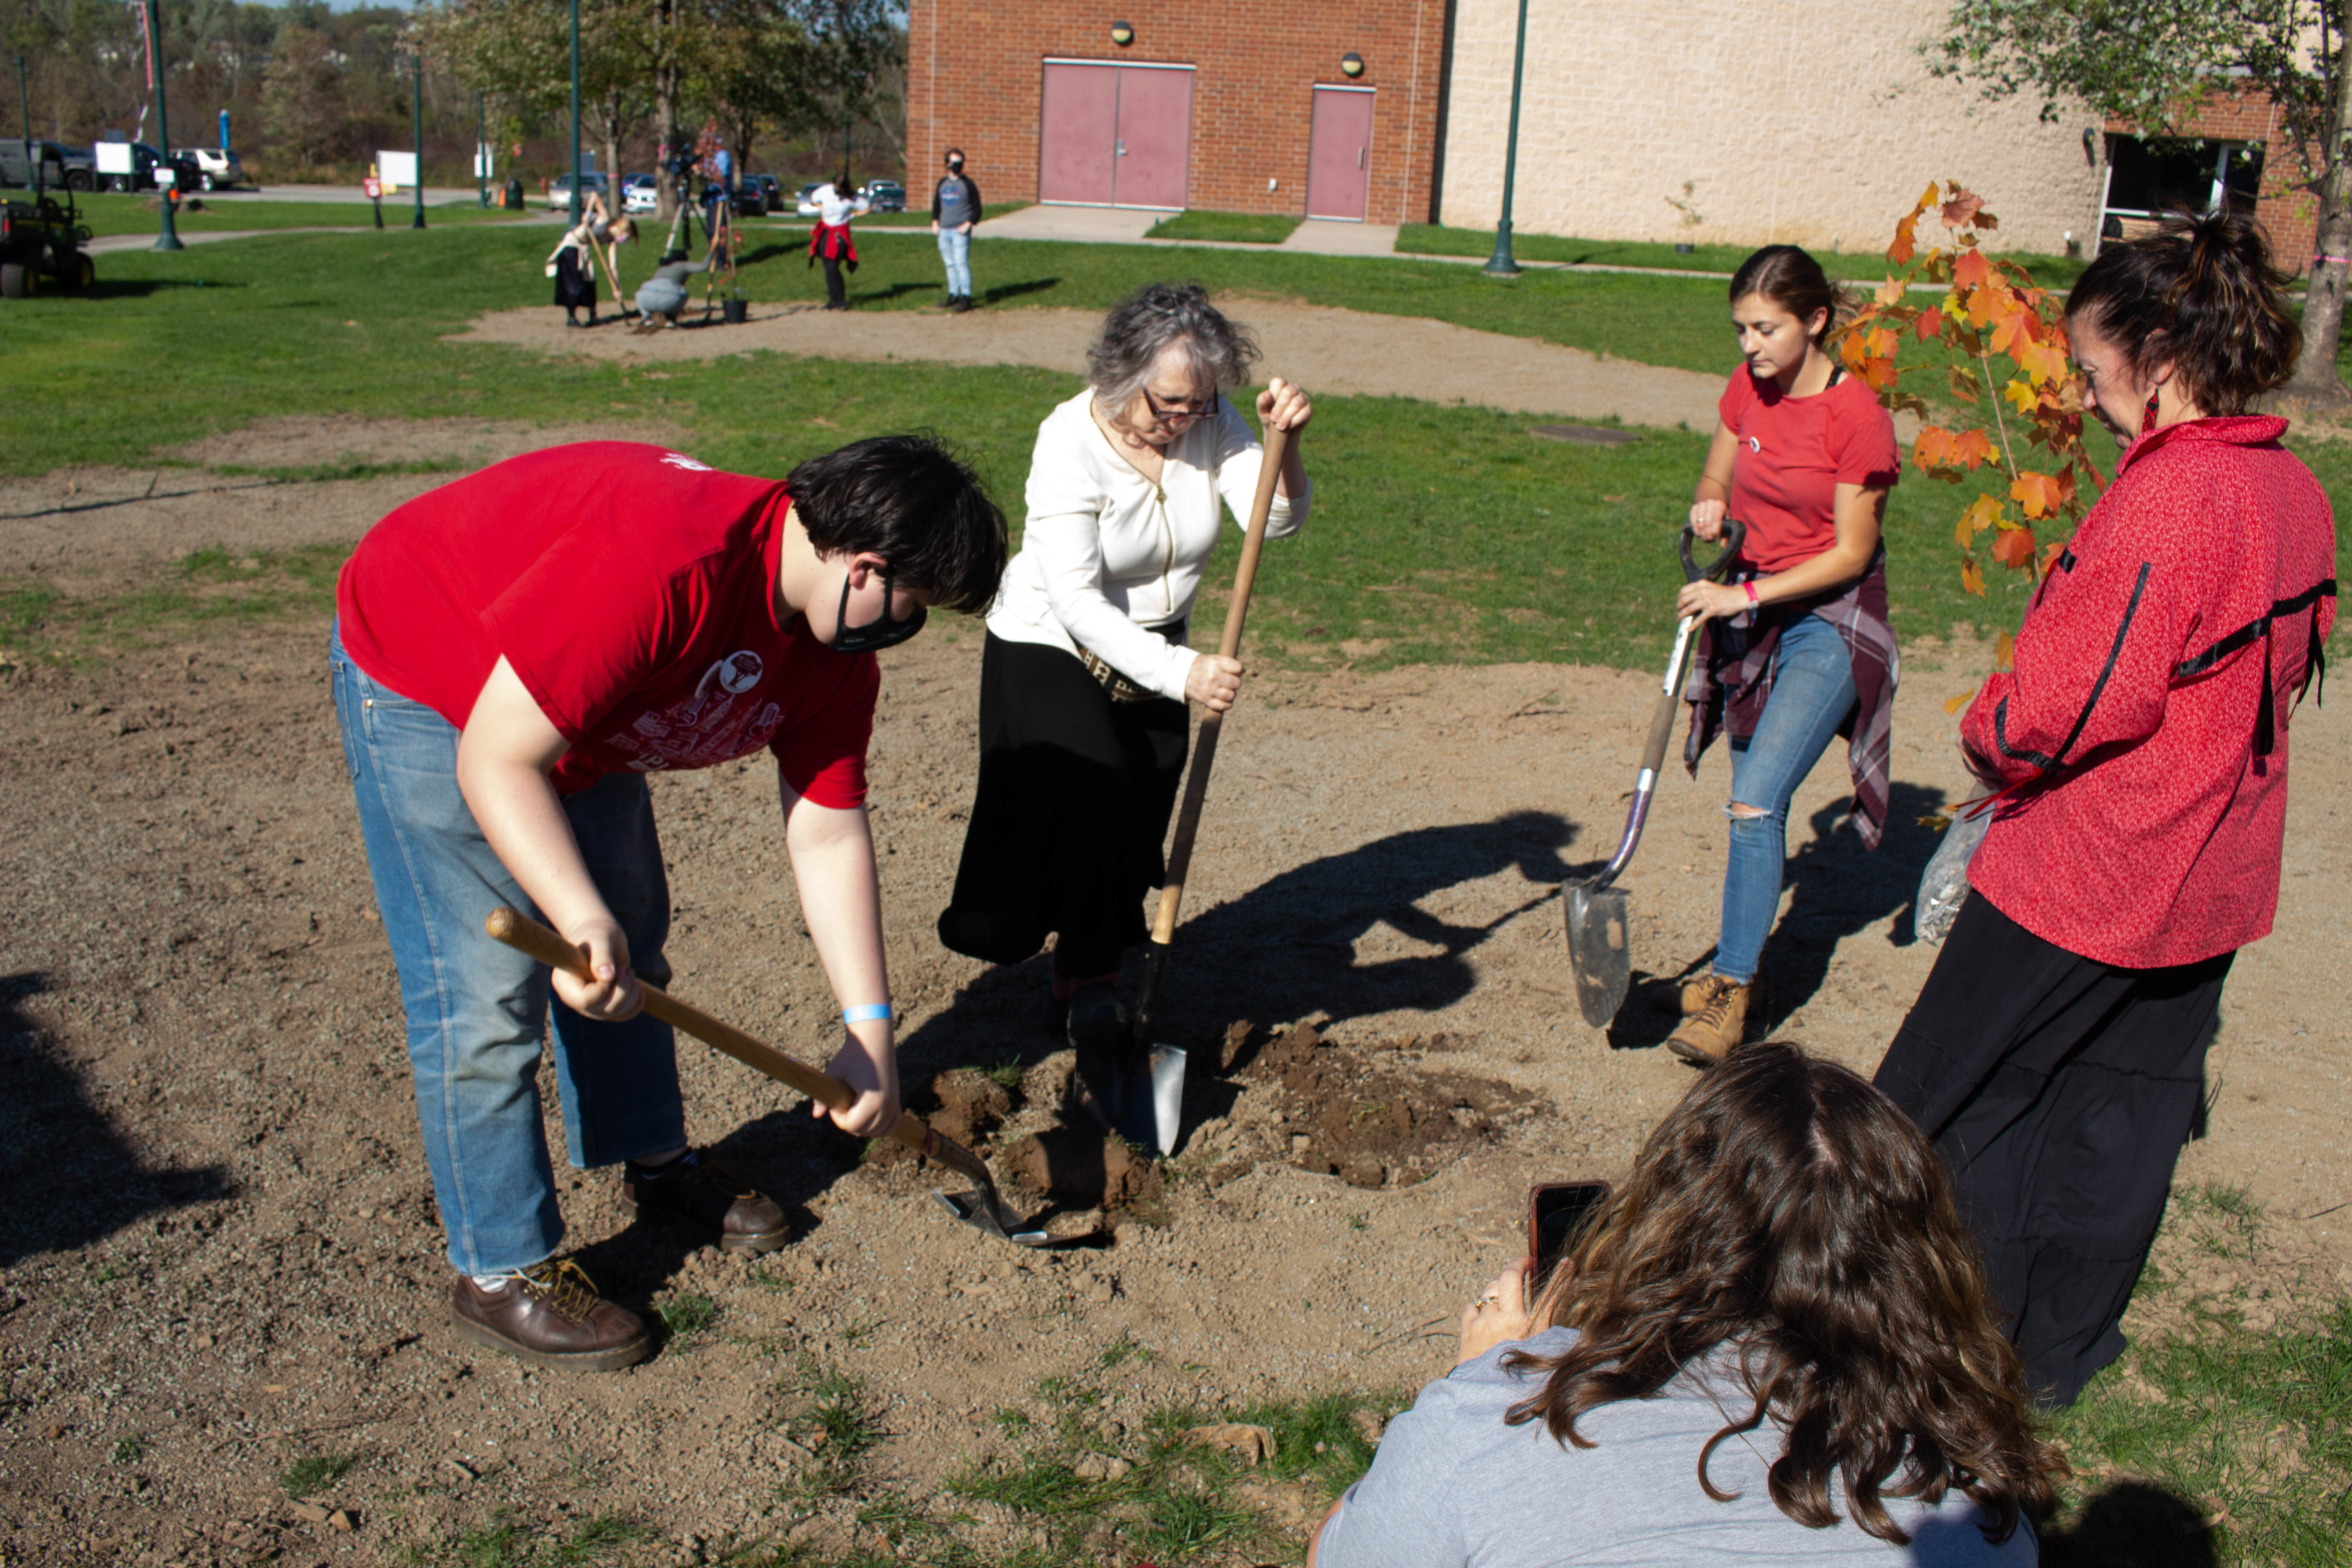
(1558, 1213)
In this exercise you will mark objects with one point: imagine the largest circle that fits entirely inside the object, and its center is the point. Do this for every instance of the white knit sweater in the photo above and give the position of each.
(1105, 553)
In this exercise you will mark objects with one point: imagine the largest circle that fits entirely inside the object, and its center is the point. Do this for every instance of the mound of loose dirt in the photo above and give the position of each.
(1371, 1117)
(1079, 1167)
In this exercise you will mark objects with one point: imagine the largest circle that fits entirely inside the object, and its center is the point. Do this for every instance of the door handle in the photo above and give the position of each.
(1359, 157)
(1122, 149)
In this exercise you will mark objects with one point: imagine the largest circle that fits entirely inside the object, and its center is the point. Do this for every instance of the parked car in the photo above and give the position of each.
(750, 197)
(18, 161)
(144, 162)
(886, 195)
(217, 168)
(806, 207)
(42, 240)
(771, 191)
(559, 191)
(639, 194)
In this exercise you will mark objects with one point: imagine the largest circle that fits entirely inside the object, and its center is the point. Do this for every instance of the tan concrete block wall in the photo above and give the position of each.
(1796, 122)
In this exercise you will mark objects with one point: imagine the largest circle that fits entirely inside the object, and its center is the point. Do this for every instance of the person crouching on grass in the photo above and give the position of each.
(1773, 1347)
(2136, 747)
(512, 655)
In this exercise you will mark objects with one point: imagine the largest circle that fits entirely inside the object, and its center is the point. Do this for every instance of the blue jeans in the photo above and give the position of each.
(476, 1007)
(955, 249)
(1813, 692)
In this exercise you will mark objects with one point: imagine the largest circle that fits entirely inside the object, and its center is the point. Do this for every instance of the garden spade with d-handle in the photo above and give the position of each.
(982, 1210)
(1148, 1089)
(1599, 952)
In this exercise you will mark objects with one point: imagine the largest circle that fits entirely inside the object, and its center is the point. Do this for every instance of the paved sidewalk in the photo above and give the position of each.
(1326, 237)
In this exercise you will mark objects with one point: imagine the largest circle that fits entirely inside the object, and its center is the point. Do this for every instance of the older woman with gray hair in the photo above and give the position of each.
(1086, 670)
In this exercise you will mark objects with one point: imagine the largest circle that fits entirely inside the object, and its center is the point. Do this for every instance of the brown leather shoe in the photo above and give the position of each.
(550, 1315)
(1708, 1035)
(713, 1199)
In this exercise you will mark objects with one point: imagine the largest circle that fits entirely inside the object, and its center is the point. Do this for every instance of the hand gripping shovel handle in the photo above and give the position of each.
(1204, 750)
(527, 936)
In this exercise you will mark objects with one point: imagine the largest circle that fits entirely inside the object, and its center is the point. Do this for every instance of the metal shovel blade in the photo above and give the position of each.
(1599, 951)
(1147, 1097)
(976, 1211)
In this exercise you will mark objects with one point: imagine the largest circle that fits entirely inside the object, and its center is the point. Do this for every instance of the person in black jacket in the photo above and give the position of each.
(955, 209)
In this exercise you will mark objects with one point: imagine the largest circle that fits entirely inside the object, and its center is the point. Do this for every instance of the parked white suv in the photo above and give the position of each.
(217, 168)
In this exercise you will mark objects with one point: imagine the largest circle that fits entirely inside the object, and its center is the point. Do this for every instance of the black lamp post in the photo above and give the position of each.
(1500, 264)
(168, 236)
(481, 155)
(577, 199)
(416, 81)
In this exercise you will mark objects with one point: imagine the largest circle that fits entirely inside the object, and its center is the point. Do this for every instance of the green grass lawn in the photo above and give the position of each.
(1255, 228)
(107, 212)
(1862, 256)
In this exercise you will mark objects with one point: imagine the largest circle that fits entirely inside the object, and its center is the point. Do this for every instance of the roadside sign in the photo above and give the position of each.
(398, 170)
(372, 187)
(113, 157)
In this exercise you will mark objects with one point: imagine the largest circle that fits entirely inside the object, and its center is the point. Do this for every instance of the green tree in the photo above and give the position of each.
(301, 96)
(2154, 63)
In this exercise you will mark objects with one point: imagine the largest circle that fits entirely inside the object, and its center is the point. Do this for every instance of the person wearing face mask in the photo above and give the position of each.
(512, 655)
(1086, 669)
(2136, 752)
(1797, 647)
(955, 209)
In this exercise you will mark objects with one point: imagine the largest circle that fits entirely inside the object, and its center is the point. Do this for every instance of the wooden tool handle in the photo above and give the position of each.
(526, 935)
(1204, 750)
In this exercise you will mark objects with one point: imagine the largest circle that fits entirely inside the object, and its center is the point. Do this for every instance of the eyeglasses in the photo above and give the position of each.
(1174, 413)
(882, 631)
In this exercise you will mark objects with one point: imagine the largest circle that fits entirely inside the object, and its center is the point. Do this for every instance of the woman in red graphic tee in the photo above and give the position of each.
(2136, 750)
(1796, 646)
(513, 653)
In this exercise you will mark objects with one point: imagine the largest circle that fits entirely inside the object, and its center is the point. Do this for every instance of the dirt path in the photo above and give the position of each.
(220, 1256)
(1323, 348)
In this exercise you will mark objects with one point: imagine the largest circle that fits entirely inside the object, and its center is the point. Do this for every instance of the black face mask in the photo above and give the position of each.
(875, 635)
(955, 165)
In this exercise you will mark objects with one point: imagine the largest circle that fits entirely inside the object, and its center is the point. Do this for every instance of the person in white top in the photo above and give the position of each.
(829, 241)
(1085, 672)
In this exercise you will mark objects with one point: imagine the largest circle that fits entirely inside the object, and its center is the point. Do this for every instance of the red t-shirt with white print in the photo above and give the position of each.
(632, 591)
(1794, 452)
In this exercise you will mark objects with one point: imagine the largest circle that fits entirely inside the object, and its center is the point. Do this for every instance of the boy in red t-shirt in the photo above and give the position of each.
(512, 654)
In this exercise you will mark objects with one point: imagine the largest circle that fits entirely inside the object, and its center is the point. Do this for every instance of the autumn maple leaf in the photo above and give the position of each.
(1972, 577)
(2013, 548)
(2037, 493)
(1962, 209)
(2020, 391)
(1971, 270)
(1929, 322)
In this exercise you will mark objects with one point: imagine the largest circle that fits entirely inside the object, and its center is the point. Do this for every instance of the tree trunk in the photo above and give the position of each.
(666, 74)
(2315, 380)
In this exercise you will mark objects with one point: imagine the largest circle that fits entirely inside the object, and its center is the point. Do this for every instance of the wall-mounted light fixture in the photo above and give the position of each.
(1351, 65)
(1122, 34)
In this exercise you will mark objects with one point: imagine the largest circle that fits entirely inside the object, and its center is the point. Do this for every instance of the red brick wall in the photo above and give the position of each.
(975, 74)
(2288, 212)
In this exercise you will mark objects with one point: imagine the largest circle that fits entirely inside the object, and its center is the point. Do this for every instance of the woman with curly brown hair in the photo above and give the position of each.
(2137, 750)
(1774, 1346)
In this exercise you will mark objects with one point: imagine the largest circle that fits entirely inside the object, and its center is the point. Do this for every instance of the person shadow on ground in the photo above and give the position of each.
(74, 1178)
(1838, 889)
(2134, 1524)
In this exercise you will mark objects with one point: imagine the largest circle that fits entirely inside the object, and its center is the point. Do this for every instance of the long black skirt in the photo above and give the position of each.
(2059, 1092)
(1071, 807)
(575, 289)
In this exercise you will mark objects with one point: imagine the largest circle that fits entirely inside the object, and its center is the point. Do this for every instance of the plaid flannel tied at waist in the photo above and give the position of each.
(1732, 678)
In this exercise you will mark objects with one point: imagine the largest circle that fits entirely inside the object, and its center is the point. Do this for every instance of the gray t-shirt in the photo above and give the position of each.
(1455, 1484)
(955, 209)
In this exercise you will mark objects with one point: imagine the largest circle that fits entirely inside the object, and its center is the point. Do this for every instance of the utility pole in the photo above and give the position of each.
(416, 81)
(481, 155)
(168, 236)
(1500, 264)
(577, 199)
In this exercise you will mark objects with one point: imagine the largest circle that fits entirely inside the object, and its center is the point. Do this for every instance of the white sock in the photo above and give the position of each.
(490, 1281)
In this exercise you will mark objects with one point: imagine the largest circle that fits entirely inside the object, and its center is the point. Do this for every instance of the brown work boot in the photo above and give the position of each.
(1681, 1000)
(713, 1199)
(1720, 1022)
(550, 1315)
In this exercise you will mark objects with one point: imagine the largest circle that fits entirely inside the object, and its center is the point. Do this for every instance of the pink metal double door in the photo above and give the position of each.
(1340, 154)
(1115, 135)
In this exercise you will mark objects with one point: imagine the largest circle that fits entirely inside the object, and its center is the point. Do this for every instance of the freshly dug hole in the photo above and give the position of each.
(1370, 1116)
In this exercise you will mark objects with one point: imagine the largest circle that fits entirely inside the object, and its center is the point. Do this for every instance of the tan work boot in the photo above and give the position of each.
(1720, 1023)
(1680, 1001)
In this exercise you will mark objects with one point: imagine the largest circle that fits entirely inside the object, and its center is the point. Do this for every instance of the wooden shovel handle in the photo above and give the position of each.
(526, 935)
(1204, 750)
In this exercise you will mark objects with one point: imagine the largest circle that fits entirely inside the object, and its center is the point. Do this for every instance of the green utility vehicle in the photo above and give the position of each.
(40, 247)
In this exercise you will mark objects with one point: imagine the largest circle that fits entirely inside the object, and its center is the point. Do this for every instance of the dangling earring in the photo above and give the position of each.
(2148, 415)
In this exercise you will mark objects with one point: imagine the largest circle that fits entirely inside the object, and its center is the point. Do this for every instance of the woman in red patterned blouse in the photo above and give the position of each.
(2137, 750)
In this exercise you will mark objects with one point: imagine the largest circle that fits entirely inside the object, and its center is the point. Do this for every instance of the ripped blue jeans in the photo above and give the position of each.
(1813, 692)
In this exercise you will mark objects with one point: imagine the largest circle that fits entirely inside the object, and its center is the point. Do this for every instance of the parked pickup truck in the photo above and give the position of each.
(40, 247)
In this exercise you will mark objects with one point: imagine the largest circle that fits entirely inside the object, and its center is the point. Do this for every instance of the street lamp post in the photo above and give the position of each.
(576, 198)
(24, 106)
(481, 155)
(1500, 264)
(168, 236)
(416, 81)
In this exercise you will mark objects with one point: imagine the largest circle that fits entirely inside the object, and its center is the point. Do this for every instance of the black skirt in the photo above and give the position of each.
(2059, 1092)
(574, 289)
(1071, 809)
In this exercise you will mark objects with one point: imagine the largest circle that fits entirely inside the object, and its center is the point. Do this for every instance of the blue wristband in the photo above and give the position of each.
(866, 1013)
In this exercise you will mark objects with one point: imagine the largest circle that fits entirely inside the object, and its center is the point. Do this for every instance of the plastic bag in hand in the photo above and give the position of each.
(1944, 885)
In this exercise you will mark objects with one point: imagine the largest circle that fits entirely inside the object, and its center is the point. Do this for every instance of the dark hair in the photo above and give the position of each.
(1789, 278)
(1788, 1208)
(1139, 327)
(955, 154)
(2201, 293)
(910, 501)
